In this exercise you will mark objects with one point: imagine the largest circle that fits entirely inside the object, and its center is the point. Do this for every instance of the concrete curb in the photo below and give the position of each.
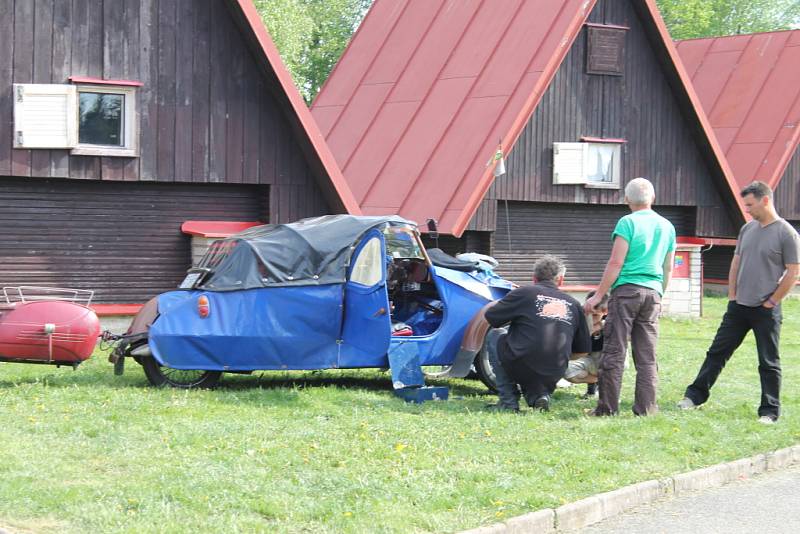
(580, 514)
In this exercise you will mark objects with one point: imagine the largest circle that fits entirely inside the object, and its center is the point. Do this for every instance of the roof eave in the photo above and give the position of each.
(780, 168)
(510, 139)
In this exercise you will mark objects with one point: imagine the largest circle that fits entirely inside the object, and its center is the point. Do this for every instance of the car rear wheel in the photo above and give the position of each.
(160, 375)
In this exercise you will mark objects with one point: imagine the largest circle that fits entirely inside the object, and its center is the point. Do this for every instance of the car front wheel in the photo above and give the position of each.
(483, 365)
(160, 375)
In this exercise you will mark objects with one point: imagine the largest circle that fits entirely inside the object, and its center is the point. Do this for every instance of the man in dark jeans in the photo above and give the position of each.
(638, 273)
(546, 326)
(764, 269)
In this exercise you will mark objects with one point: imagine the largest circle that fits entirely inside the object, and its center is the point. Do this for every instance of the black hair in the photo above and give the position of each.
(759, 190)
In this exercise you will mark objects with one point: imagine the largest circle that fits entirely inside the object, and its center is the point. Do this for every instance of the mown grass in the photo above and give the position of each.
(86, 451)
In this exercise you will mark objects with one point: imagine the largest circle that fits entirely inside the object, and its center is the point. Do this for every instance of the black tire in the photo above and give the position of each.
(482, 364)
(161, 376)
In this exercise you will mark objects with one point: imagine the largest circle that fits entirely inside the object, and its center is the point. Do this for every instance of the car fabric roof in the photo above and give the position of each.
(311, 251)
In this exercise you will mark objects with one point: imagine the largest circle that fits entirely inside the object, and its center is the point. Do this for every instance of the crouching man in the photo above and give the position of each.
(584, 369)
(546, 327)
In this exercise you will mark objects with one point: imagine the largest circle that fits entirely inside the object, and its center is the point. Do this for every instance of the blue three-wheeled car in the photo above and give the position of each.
(322, 293)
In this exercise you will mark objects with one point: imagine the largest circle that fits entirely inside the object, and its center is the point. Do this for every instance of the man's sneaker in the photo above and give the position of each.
(501, 408)
(542, 403)
(767, 420)
(686, 404)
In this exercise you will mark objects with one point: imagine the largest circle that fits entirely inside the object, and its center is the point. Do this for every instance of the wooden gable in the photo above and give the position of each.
(640, 107)
(209, 112)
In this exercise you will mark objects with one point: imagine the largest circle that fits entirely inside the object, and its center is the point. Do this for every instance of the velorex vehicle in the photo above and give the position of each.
(47, 325)
(336, 291)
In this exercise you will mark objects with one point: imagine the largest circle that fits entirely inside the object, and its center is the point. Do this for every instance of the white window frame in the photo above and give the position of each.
(572, 161)
(36, 104)
(130, 124)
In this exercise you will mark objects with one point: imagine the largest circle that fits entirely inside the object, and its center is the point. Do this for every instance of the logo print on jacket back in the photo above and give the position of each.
(553, 308)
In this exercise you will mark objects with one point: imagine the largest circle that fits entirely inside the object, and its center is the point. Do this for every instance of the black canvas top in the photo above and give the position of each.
(311, 251)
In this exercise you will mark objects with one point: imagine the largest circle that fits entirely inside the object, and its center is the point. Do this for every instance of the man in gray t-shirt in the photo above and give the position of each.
(764, 269)
(763, 252)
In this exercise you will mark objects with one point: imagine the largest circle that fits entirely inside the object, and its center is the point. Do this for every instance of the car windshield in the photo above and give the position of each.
(402, 242)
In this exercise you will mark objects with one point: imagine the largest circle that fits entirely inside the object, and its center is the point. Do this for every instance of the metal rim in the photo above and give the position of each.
(183, 377)
(437, 371)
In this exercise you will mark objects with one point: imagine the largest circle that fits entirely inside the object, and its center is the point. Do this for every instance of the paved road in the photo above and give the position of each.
(768, 503)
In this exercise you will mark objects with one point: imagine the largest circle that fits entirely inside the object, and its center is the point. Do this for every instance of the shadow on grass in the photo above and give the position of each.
(369, 380)
(282, 387)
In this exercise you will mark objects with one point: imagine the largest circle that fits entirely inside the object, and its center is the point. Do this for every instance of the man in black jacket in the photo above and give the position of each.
(546, 327)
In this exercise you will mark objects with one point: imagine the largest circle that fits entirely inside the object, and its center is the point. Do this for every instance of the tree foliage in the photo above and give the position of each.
(311, 35)
(689, 19)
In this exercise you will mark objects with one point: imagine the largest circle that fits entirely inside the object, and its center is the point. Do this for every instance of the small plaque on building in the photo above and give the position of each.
(605, 50)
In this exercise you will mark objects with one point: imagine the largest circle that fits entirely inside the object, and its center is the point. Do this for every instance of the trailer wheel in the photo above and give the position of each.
(160, 375)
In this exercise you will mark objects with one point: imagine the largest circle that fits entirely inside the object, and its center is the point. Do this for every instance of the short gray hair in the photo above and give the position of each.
(548, 268)
(640, 191)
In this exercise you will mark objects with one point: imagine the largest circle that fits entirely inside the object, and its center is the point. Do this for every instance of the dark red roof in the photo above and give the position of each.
(415, 108)
(335, 188)
(749, 86)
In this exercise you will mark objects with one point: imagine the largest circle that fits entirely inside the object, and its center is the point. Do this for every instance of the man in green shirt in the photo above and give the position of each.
(637, 273)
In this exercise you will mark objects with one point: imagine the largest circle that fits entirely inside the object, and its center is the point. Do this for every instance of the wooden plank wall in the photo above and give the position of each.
(717, 262)
(579, 234)
(207, 113)
(485, 217)
(470, 241)
(638, 106)
(787, 194)
(120, 239)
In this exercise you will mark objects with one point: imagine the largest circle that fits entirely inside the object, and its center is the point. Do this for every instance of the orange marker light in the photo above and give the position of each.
(203, 308)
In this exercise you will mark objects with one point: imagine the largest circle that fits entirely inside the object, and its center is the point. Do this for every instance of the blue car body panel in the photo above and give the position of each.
(367, 326)
(461, 305)
(338, 325)
(271, 328)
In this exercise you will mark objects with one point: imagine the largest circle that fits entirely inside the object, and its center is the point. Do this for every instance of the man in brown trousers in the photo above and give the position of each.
(637, 273)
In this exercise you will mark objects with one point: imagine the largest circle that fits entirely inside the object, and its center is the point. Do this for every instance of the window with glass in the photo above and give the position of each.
(402, 242)
(106, 121)
(101, 118)
(591, 164)
(91, 119)
(368, 268)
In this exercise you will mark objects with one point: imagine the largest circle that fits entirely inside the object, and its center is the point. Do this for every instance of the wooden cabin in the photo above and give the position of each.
(749, 86)
(121, 119)
(579, 97)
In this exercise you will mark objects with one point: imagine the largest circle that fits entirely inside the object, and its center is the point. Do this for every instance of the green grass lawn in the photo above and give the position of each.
(86, 451)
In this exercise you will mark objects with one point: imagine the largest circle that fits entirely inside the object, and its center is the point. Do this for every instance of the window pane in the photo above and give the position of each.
(101, 119)
(401, 242)
(368, 269)
(600, 163)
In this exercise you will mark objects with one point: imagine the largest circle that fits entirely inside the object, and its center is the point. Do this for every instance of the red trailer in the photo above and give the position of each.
(47, 325)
